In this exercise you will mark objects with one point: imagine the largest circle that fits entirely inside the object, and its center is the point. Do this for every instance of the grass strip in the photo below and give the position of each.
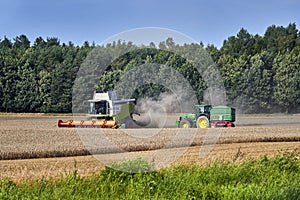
(266, 178)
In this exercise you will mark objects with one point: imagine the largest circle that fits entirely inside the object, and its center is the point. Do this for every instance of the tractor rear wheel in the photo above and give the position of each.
(185, 123)
(202, 122)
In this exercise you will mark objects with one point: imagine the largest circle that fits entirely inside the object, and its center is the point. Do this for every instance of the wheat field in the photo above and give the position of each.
(32, 145)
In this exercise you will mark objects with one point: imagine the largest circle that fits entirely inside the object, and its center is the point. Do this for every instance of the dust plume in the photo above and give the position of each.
(153, 112)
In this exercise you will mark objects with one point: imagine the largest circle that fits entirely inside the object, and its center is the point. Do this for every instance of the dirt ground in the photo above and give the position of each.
(61, 150)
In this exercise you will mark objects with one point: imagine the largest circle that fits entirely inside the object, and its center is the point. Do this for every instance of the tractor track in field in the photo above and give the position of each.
(33, 146)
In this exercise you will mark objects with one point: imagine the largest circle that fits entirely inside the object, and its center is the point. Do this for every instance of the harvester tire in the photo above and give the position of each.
(186, 123)
(202, 122)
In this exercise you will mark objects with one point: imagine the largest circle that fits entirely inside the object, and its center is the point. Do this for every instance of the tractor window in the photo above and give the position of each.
(200, 109)
(207, 109)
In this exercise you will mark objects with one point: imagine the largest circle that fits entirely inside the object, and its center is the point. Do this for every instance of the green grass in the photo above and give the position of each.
(267, 178)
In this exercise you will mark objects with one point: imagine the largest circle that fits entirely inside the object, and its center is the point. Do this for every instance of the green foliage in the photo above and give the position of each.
(287, 80)
(38, 78)
(266, 178)
(260, 73)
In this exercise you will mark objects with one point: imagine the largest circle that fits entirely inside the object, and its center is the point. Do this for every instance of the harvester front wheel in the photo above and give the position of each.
(202, 122)
(185, 123)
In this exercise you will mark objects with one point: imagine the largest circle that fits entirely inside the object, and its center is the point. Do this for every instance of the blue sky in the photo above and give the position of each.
(209, 21)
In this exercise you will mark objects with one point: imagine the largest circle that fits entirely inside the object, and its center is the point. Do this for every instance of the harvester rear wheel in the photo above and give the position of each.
(185, 123)
(202, 122)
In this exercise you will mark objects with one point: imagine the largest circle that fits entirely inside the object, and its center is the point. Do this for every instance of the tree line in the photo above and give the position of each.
(261, 73)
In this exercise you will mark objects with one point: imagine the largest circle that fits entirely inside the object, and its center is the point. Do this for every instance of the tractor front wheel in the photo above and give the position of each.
(185, 123)
(202, 122)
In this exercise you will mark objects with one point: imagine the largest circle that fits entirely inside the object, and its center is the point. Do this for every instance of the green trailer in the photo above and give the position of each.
(222, 116)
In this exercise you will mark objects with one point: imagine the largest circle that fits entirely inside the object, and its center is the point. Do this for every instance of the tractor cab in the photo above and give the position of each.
(203, 110)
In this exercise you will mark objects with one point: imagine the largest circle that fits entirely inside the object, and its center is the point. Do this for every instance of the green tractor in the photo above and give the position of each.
(206, 116)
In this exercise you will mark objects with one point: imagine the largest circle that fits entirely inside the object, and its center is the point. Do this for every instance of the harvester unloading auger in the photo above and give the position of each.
(105, 111)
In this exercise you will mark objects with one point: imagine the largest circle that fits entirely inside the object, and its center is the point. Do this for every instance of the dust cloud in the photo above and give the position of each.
(153, 112)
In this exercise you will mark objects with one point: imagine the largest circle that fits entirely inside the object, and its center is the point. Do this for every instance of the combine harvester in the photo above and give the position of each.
(206, 116)
(105, 111)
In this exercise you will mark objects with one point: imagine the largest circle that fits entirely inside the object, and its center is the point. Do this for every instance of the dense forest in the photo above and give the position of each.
(261, 73)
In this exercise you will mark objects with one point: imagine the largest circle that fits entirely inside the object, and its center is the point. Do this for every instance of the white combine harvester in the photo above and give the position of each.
(105, 111)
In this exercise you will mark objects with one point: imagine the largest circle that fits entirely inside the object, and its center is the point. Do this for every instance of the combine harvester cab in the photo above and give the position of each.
(105, 111)
(206, 116)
